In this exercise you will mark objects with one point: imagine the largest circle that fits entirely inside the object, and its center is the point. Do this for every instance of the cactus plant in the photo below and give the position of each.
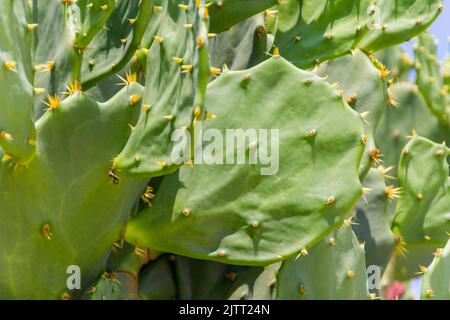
(365, 89)
(291, 116)
(436, 278)
(333, 269)
(373, 218)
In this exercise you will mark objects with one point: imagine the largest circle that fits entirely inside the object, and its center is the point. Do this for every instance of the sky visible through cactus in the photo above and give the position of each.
(440, 29)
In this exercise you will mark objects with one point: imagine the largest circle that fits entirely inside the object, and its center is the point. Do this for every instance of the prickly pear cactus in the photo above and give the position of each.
(178, 149)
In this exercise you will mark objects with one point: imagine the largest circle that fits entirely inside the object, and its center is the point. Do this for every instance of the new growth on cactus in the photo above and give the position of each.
(232, 149)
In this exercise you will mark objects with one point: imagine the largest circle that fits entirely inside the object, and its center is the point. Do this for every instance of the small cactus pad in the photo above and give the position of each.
(422, 174)
(334, 269)
(436, 280)
(373, 219)
(398, 21)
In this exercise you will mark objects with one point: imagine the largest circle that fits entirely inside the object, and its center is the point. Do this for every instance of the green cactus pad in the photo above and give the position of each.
(397, 61)
(157, 280)
(410, 113)
(115, 286)
(177, 75)
(191, 275)
(256, 283)
(373, 221)
(120, 282)
(227, 13)
(114, 46)
(447, 71)
(242, 47)
(251, 217)
(49, 217)
(17, 132)
(365, 89)
(333, 269)
(310, 32)
(429, 78)
(436, 281)
(408, 259)
(423, 174)
(398, 21)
